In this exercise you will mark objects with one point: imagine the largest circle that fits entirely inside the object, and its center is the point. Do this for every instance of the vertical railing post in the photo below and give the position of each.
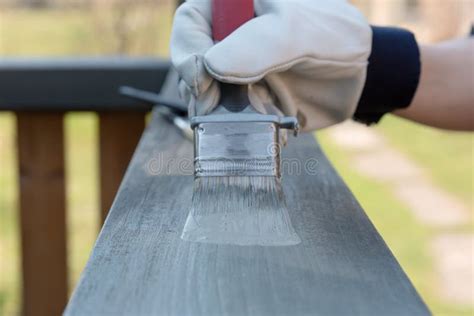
(119, 133)
(42, 213)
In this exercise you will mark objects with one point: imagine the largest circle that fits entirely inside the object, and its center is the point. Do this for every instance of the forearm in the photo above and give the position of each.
(445, 96)
(431, 84)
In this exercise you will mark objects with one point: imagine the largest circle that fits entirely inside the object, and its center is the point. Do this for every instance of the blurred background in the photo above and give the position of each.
(415, 183)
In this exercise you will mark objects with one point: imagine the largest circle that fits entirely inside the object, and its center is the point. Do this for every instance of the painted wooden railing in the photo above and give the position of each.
(40, 92)
(141, 266)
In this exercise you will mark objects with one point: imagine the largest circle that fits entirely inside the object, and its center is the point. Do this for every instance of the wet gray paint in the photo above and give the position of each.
(241, 211)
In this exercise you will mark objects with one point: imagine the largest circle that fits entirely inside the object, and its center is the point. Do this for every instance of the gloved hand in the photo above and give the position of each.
(308, 57)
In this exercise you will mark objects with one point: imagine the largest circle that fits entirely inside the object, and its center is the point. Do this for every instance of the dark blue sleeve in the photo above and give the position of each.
(393, 74)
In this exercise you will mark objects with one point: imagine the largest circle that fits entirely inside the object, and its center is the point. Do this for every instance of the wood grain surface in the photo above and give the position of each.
(140, 266)
(40, 140)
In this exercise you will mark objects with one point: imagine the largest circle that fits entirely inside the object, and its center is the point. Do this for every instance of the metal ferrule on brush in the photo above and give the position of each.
(235, 140)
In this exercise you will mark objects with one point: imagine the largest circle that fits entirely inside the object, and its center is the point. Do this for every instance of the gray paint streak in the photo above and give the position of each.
(245, 211)
(141, 266)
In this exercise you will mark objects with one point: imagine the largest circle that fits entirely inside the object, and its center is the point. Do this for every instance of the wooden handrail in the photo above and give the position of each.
(141, 266)
(77, 84)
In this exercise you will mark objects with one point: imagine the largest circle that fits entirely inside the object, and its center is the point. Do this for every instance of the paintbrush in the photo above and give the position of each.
(238, 197)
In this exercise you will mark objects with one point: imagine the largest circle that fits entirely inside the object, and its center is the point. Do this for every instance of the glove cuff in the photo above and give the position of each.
(393, 74)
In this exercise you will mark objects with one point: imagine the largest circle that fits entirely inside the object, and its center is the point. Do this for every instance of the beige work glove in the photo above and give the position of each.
(307, 57)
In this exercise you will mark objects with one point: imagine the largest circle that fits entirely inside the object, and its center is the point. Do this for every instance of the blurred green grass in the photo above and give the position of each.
(447, 158)
(407, 238)
(82, 170)
(447, 155)
(9, 241)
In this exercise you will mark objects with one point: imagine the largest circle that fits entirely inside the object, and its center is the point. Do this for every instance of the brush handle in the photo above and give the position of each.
(229, 15)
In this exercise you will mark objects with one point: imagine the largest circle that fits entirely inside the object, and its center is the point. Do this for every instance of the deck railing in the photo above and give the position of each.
(139, 265)
(40, 92)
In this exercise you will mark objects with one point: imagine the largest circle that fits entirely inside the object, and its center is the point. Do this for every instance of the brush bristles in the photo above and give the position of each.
(240, 211)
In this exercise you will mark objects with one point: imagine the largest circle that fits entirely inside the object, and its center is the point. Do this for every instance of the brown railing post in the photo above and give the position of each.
(42, 213)
(119, 133)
